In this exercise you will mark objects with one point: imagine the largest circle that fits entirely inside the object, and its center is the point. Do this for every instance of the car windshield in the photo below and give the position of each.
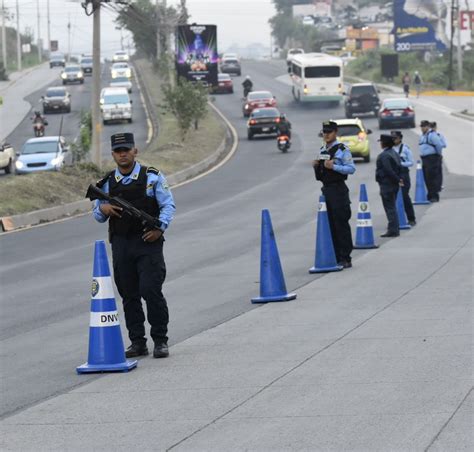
(72, 69)
(120, 80)
(295, 52)
(120, 66)
(263, 95)
(86, 61)
(322, 72)
(223, 77)
(348, 130)
(227, 61)
(43, 147)
(266, 113)
(116, 99)
(120, 53)
(396, 103)
(361, 90)
(56, 57)
(55, 93)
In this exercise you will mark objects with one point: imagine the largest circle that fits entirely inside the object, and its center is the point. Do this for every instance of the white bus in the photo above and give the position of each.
(316, 77)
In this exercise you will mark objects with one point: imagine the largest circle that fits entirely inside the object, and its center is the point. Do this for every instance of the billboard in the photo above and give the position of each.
(426, 25)
(196, 53)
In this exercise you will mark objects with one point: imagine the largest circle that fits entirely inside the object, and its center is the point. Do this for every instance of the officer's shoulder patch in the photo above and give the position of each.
(101, 182)
(151, 170)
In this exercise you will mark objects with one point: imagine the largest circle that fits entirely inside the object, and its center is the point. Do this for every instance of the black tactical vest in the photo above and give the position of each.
(135, 194)
(325, 175)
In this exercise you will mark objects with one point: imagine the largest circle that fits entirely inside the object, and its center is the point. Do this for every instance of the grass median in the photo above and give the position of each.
(21, 194)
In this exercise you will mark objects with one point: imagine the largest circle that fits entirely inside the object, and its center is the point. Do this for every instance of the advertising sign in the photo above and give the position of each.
(54, 46)
(196, 53)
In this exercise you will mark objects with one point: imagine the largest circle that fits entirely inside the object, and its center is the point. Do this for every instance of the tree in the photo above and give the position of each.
(187, 102)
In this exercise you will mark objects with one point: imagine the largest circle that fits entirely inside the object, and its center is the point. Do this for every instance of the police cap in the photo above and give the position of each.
(424, 123)
(329, 126)
(433, 124)
(396, 134)
(122, 141)
(386, 140)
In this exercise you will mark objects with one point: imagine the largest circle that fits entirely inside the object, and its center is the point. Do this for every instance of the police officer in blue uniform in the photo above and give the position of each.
(430, 152)
(137, 254)
(444, 144)
(406, 157)
(388, 176)
(332, 168)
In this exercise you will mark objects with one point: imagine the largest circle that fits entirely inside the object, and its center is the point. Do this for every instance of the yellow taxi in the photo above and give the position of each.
(354, 135)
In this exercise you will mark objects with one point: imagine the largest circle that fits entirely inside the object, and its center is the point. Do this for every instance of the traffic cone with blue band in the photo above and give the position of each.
(365, 231)
(325, 257)
(272, 281)
(106, 350)
(402, 217)
(421, 196)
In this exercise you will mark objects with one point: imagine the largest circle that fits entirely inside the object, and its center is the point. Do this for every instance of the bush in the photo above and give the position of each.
(81, 149)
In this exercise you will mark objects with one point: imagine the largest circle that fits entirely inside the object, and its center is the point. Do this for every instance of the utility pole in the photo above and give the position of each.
(18, 38)
(68, 38)
(158, 41)
(458, 36)
(39, 30)
(450, 82)
(48, 26)
(4, 37)
(95, 107)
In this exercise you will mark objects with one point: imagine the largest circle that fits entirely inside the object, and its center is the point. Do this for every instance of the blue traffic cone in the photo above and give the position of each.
(402, 217)
(106, 351)
(421, 196)
(272, 281)
(325, 257)
(365, 231)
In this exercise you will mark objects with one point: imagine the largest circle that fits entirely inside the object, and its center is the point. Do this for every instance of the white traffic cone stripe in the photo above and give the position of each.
(364, 223)
(102, 288)
(322, 207)
(418, 165)
(104, 319)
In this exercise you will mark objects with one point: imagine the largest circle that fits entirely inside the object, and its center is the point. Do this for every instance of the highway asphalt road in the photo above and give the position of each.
(212, 248)
(80, 101)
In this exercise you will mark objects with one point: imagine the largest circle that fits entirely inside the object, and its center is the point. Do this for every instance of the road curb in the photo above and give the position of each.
(463, 116)
(218, 158)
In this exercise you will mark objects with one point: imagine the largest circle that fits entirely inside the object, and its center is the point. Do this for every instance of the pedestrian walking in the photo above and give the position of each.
(406, 160)
(430, 147)
(332, 167)
(444, 143)
(417, 82)
(387, 175)
(137, 254)
(406, 84)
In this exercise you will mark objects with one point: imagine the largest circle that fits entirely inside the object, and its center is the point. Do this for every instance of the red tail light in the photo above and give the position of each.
(252, 122)
(277, 120)
(385, 112)
(408, 110)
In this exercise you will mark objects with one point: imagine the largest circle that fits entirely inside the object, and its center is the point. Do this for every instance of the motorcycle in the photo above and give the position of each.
(247, 90)
(283, 143)
(38, 127)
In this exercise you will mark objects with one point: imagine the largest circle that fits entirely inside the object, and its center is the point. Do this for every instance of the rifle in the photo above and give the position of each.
(146, 220)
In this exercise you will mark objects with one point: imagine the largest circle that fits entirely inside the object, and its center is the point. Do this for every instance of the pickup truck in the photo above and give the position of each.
(7, 158)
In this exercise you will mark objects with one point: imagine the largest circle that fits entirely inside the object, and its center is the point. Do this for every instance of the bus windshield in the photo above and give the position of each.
(322, 72)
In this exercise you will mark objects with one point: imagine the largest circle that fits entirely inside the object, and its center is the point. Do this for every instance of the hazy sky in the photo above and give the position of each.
(238, 21)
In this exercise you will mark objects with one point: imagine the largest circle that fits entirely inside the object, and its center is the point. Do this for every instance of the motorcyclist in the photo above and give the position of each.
(38, 117)
(284, 127)
(248, 85)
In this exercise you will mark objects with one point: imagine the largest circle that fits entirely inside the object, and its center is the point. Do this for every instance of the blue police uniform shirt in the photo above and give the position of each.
(442, 138)
(430, 144)
(156, 187)
(343, 162)
(406, 156)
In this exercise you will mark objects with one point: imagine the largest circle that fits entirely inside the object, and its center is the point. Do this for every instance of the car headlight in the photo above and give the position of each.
(63, 75)
(129, 73)
(66, 101)
(80, 74)
(57, 161)
(19, 165)
(246, 106)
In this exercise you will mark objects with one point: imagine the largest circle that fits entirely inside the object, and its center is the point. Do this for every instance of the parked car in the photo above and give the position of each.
(231, 66)
(121, 82)
(121, 70)
(353, 133)
(120, 55)
(57, 59)
(115, 104)
(263, 121)
(7, 158)
(72, 73)
(396, 113)
(87, 65)
(362, 98)
(224, 84)
(57, 98)
(258, 99)
(43, 154)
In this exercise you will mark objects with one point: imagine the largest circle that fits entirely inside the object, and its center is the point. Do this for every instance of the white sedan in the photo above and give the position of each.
(121, 70)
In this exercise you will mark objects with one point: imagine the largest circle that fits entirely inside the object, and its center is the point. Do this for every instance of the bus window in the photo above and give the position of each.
(296, 70)
(322, 72)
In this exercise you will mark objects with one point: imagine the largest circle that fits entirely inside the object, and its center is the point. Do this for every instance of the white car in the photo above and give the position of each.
(308, 20)
(121, 70)
(121, 82)
(120, 55)
(115, 104)
(7, 158)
